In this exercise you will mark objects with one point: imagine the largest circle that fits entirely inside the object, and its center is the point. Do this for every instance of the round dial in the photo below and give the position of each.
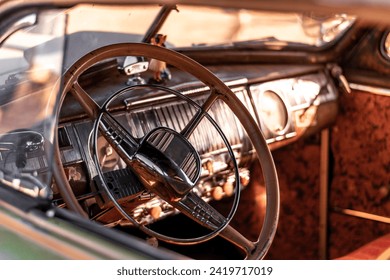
(273, 112)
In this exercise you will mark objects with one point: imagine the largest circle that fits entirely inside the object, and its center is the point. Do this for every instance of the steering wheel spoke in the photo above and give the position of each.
(200, 211)
(232, 235)
(198, 117)
(89, 105)
(115, 134)
(204, 214)
(118, 137)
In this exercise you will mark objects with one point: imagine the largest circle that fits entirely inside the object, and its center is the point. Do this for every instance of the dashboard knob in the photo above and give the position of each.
(73, 174)
(108, 157)
(228, 188)
(217, 193)
(155, 212)
(108, 151)
(244, 180)
(210, 167)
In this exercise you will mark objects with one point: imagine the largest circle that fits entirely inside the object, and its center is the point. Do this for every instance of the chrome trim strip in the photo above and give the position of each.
(363, 215)
(186, 92)
(371, 89)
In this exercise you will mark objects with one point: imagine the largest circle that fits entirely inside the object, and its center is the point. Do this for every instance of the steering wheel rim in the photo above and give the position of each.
(222, 92)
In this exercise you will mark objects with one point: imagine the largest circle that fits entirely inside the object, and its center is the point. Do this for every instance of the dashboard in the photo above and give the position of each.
(286, 108)
(287, 102)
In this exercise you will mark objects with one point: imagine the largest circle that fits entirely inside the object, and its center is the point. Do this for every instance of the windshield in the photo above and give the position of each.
(248, 26)
(197, 26)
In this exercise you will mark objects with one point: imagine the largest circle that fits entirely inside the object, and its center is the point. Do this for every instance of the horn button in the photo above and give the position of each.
(167, 163)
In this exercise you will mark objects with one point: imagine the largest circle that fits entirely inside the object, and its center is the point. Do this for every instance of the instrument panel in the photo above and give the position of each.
(287, 106)
(285, 109)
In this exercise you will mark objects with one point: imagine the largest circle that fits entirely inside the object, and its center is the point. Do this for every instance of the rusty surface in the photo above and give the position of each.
(359, 180)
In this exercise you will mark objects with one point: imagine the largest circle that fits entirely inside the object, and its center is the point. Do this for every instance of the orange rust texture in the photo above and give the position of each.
(359, 180)
(361, 173)
(298, 169)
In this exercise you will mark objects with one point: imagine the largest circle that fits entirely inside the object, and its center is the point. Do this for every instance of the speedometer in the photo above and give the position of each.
(273, 112)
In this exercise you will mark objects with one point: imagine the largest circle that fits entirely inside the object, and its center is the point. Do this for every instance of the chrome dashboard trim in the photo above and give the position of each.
(371, 89)
(185, 89)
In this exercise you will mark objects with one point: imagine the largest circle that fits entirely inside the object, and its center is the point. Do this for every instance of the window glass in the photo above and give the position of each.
(199, 26)
(31, 67)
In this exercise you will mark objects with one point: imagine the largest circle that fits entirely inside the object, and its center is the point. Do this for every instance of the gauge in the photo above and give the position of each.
(273, 112)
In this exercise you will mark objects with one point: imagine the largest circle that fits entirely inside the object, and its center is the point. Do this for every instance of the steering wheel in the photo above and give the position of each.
(164, 173)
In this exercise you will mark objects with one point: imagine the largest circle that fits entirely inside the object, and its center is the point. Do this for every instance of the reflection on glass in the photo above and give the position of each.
(31, 66)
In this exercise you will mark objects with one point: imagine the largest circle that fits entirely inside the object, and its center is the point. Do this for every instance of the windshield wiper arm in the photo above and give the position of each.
(158, 21)
(256, 41)
(270, 43)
